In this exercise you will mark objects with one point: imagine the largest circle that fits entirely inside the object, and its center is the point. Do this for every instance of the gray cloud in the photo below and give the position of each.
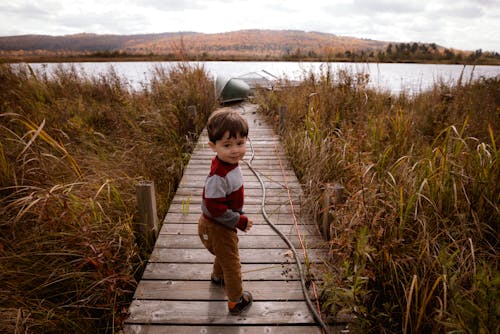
(178, 5)
(389, 6)
(170, 5)
(464, 12)
(29, 10)
(105, 22)
(463, 24)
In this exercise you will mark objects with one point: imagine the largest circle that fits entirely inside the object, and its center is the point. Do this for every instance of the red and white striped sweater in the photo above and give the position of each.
(223, 195)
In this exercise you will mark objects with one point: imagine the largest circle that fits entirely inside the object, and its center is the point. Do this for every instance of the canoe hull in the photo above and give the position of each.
(231, 90)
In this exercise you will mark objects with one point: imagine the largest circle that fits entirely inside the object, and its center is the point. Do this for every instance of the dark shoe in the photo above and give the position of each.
(244, 304)
(217, 281)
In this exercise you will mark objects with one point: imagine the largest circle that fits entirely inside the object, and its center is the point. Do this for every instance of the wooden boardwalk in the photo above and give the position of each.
(175, 294)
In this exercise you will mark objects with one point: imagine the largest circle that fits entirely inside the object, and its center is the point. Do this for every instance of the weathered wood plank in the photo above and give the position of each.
(169, 255)
(254, 195)
(172, 329)
(192, 206)
(194, 209)
(255, 151)
(254, 139)
(193, 182)
(272, 173)
(250, 271)
(245, 241)
(205, 290)
(215, 312)
(277, 218)
(192, 195)
(257, 229)
(256, 164)
(202, 271)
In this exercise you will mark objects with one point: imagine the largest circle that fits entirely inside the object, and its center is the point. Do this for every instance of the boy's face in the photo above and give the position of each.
(230, 150)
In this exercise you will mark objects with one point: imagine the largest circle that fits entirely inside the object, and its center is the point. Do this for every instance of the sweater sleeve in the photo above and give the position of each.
(242, 223)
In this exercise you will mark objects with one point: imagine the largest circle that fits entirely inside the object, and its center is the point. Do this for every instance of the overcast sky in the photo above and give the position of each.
(460, 24)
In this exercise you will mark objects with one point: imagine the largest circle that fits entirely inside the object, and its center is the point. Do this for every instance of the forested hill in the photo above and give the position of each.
(237, 41)
(76, 43)
(237, 45)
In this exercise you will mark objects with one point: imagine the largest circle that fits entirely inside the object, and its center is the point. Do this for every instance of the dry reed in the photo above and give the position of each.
(72, 148)
(414, 249)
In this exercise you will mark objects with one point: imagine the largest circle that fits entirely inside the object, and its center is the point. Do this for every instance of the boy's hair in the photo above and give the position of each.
(226, 120)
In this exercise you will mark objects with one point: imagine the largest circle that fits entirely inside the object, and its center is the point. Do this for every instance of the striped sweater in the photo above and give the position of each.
(223, 195)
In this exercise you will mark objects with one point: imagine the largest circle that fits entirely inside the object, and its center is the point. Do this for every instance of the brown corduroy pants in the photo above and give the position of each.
(223, 243)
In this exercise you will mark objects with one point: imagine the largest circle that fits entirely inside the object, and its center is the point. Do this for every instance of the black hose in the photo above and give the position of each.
(309, 303)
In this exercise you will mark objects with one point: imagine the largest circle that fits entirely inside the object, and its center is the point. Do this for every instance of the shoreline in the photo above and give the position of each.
(160, 58)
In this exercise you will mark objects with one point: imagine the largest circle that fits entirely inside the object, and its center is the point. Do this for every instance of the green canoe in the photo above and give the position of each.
(231, 89)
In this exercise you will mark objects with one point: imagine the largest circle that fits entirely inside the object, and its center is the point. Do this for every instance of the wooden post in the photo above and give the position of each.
(147, 227)
(191, 112)
(333, 197)
(338, 197)
(191, 121)
(187, 121)
(283, 113)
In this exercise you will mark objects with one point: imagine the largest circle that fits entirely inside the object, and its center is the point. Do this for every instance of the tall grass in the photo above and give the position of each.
(72, 149)
(414, 249)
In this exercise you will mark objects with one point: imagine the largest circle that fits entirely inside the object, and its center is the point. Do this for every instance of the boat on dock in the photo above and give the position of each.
(265, 80)
(231, 89)
(260, 79)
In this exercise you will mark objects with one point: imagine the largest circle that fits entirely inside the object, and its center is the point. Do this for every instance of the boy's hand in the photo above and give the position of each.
(249, 225)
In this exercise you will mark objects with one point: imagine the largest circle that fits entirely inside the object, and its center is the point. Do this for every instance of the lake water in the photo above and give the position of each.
(412, 78)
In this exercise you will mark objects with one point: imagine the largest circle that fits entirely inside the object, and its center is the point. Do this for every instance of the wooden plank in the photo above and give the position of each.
(276, 218)
(266, 173)
(202, 271)
(256, 164)
(259, 147)
(247, 255)
(194, 207)
(257, 154)
(257, 229)
(250, 272)
(215, 312)
(262, 155)
(193, 182)
(273, 196)
(205, 290)
(245, 241)
(208, 329)
(191, 195)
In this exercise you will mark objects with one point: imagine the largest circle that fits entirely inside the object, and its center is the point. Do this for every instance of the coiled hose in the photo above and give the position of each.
(309, 303)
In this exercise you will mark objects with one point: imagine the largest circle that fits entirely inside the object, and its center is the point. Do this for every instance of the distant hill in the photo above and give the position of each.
(244, 42)
(257, 42)
(236, 45)
(78, 43)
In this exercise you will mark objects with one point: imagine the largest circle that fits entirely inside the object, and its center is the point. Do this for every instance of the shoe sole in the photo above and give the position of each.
(243, 309)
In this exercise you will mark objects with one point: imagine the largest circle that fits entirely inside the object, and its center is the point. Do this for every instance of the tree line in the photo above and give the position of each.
(419, 53)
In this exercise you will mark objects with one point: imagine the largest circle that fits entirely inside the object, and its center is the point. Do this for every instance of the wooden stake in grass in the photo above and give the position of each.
(333, 196)
(147, 227)
(283, 114)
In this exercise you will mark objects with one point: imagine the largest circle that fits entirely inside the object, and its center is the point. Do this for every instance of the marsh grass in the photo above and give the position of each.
(414, 249)
(72, 149)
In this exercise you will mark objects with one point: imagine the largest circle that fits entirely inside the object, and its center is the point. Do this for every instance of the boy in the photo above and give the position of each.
(223, 203)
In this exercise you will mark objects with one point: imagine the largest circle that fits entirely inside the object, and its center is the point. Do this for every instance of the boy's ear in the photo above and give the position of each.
(212, 146)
